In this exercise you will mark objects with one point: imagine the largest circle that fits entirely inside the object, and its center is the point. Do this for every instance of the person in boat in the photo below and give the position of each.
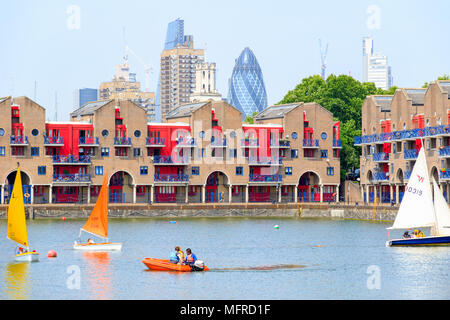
(190, 257)
(177, 256)
(420, 234)
(406, 235)
(90, 241)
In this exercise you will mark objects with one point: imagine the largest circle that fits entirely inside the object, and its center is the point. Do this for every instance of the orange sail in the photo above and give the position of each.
(98, 220)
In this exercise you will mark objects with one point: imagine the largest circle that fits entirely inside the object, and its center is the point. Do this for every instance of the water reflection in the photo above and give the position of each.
(98, 275)
(17, 280)
(263, 268)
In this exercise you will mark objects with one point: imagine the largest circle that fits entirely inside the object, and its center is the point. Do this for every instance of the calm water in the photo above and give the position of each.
(249, 259)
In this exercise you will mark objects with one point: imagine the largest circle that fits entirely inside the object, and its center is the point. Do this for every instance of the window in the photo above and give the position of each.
(195, 171)
(42, 170)
(35, 151)
(105, 133)
(2, 151)
(323, 136)
(121, 152)
(137, 133)
(2, 132)
(233, 153)
(99, 170)
(144, 170)
(35, 132)
(324, 153)
(330, 171)
(105, 152)
(137, 152)
(288, 171)
(239, 171)
(294, 135)
(294, 153)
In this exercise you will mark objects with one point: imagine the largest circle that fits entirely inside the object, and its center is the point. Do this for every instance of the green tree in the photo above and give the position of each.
(343, 96)
(443, 77)
(250, 119)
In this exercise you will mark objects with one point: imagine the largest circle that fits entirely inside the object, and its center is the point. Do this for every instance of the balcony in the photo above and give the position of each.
(265, 161)
(380, 157)
(337, 144)
(71, 160)
(71, 178)
(219, 143)
(444, 152)
(53, 141)
(186, 143)
(249, 143)
(172, 178)
(280, 143)
(88, 141)
(380, 176)
(410, 154)
(155, 142)
(310, 143)
(122, 142)
(407, 175)
(265, 178)
(19, 140)
(444, 174)
(168, 160)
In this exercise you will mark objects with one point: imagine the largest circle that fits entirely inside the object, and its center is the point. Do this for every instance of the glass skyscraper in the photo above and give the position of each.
(83, 96)
(246, 85)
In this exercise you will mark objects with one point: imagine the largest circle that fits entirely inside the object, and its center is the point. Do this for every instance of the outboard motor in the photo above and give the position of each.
(198, 265)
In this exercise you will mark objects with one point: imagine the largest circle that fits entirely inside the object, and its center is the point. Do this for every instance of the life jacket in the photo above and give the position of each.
(181, 255)
(190, 258)
(173, 256)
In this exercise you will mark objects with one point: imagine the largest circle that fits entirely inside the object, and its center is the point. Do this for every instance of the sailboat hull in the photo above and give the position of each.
(425, 241)
(27, 257)
(105, 246)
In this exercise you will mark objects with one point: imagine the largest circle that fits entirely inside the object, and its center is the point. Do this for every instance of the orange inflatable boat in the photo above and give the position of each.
(165, 265)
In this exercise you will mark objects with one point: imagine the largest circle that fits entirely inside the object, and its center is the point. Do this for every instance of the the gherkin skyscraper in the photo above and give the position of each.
(246, 85)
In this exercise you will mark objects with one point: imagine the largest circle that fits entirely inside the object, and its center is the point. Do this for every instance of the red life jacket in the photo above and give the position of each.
(190, 258)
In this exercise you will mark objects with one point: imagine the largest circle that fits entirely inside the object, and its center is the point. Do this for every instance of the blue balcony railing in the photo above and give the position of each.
(407, 174)
(247, 142)
(380, 176)
(71, 159)
(265, 160)
(189, 142)
(410, 154)
(69, 178)
(122, 141)
(280, 143)
(265, 178)
(337, 144)
(155, 141)
(170, 160)
(402, 135)
(171, 178)
(444, 152)
(311, 143)
(218, 142)
(445, 173)
(382, 156)
(88, 141)
(53, 140)
(19, 140)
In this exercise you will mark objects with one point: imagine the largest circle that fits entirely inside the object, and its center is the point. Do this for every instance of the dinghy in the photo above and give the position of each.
(165, 265)
(17, 228)
(418, 210)
(97, 225)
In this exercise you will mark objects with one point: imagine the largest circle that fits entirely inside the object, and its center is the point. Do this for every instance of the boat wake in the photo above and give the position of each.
(262, 268)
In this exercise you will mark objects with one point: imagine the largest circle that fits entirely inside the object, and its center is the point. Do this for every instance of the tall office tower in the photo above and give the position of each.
(246, 85)
(375, 66)
(177, 74)
(124, 86)
(205, 83)
(83, 96)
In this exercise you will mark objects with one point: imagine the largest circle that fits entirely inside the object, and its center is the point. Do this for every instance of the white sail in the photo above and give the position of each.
(416, 209)
(442, 212)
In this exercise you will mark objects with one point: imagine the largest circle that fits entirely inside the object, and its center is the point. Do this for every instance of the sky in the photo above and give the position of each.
(58, 46)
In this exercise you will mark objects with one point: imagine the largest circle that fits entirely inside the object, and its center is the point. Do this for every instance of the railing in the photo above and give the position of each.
(407, 174)
(88, 141)
(265, 161)
(122, 141)
(380, 176)
(249, 142)
(219, 143)
(311, 143)
(186, 142)
(444, 152)
(265, 178)
(72, 178)
(19, 139)
(280, 143)
(170, 160)
(337, 144)
(72, 159)
(53, 140)
(382, 156)
(404, 134)
(410, 154)
(171, 178)
(444, 174)
(155, 141)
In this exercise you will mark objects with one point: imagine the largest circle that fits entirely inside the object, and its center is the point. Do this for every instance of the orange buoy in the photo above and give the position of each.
(63, 218)
(51, 254)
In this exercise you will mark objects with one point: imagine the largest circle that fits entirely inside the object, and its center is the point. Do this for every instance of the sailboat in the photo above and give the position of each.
(418, 210)
(17, 227)
(97, 224)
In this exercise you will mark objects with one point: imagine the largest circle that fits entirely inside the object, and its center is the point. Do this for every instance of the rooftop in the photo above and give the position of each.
(277, 111)
(185, 110)
(89, 108)
(416, 95)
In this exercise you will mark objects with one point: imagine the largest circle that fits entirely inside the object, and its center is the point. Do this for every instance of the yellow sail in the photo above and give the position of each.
(17, 228)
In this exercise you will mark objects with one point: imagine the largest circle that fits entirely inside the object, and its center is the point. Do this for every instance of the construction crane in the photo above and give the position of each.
(147, 68)
(323, 57)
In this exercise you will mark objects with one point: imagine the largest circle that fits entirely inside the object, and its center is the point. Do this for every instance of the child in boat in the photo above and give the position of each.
(180, 255)
(190, 257)
(177, 256)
